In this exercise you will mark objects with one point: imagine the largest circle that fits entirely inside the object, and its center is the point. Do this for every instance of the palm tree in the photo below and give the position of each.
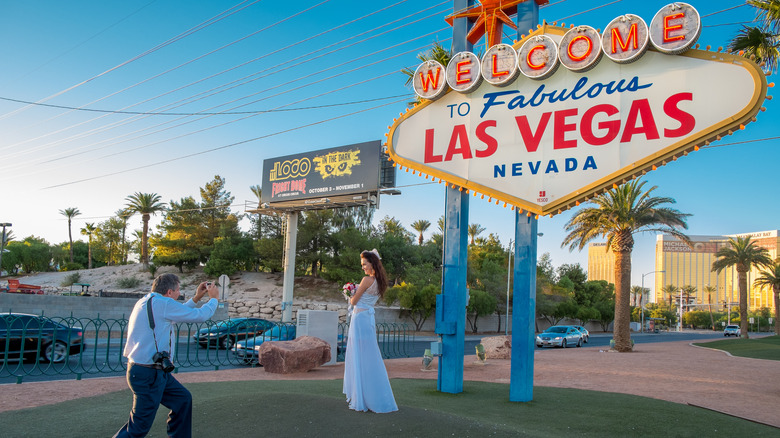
(257, 191)
(763, 41)
(637, 291)
(619, 214)
(474, 231)
(88, 230)
(70, 213)
(670, 290)
(710, 289)
(420, 226)
(146, 204)
(436, 53)
(770, 277)
(743, 254)
(124, 215)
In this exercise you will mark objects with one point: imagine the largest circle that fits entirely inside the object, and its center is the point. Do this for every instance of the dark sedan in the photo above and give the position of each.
(225, 334)
(38, 337)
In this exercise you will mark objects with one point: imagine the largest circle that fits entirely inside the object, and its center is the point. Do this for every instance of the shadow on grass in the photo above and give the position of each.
(317, 409)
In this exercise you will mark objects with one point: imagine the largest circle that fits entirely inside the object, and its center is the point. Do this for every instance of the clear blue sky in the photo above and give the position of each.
(324, 84)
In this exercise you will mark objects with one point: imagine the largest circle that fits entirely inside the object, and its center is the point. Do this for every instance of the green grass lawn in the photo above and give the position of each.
(317, 409)
(759, 348)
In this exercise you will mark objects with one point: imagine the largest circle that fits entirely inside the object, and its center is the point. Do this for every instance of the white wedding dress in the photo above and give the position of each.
(366, 384)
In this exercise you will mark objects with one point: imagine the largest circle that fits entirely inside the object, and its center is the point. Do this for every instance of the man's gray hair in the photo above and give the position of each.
(164, 282)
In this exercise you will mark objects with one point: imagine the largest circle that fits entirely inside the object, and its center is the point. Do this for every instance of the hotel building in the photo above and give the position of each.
(682, 265)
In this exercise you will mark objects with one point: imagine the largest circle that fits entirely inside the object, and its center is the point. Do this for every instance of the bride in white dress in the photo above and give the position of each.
(366, 384)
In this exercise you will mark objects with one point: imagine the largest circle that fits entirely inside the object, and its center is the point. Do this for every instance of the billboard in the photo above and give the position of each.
(328, 178)
(548, 123)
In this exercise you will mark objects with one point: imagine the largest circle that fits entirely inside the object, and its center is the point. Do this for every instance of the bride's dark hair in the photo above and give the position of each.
(379, 271)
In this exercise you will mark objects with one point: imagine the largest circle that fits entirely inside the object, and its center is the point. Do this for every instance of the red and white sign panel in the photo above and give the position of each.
(545, 145)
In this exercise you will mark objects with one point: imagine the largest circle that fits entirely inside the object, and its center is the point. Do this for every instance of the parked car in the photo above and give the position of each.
(247, 350)
(585, 333)
(24, 336)
(559, 336)
(224, 334)
(732, 330)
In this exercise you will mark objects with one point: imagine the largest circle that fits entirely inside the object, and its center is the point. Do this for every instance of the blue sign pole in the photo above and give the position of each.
(451, 303)
(521, 377)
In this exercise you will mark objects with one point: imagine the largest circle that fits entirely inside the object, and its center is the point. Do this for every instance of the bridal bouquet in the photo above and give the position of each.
(347, 290)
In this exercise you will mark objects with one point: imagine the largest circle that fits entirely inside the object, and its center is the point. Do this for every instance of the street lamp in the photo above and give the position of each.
(2, 244)
(643, 297)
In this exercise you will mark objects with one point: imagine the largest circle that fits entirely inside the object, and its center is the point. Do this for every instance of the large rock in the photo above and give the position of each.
(297, 356)
(498, 347)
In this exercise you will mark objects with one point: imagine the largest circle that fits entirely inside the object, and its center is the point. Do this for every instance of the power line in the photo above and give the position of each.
(274, 70)
(226, 113)
(222, 147)
(203, 25)
(268, 97)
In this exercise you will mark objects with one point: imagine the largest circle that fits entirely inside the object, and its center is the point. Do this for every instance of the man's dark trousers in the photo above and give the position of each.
(151, 388)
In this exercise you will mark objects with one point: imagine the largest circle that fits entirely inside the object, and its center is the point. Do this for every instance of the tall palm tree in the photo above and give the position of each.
(88, 230)
(146, 204)
(763, 41)
(619, 214)
(257, 191)
(770, 277)
(124, 215)
(743, 254)
(420, 226)
(710, 289)
(475, 230)
(637, 291)
(670, 290)
(70, 213)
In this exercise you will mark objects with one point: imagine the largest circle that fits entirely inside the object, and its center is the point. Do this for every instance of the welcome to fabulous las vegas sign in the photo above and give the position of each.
(549, 122)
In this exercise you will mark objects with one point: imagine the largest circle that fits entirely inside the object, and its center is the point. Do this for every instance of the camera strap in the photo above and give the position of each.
(150, 314)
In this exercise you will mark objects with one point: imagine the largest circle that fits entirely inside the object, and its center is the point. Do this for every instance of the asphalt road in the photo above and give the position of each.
(104, 361)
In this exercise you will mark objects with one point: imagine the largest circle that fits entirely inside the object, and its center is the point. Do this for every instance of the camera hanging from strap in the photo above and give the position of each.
(161, 358)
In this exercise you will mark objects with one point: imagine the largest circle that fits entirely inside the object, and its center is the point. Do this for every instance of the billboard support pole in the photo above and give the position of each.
(451, 304)
(290, 240)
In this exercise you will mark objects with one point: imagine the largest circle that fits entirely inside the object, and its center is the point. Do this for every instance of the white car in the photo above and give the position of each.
(732, 330)
(585, 333)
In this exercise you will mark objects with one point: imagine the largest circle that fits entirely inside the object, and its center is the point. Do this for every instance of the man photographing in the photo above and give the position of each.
(149, 351)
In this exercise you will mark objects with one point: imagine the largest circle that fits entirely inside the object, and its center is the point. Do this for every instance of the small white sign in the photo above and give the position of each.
(224, 282)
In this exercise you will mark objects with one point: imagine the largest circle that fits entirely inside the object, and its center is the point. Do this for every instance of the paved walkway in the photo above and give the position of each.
(673, 371)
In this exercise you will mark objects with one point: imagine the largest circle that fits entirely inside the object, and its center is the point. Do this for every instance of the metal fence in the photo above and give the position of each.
(36, 346)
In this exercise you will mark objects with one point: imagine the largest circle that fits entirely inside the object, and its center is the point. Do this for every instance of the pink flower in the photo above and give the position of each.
(348, 289)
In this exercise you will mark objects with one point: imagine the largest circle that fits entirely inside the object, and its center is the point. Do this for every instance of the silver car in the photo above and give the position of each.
(559, 336)
(585, 333)
(732, 330)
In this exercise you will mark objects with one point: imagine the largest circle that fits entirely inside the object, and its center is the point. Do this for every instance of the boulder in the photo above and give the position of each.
(297, 356)
(498, 347)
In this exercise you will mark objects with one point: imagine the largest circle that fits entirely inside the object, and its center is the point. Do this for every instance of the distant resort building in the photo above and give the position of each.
(679, 265)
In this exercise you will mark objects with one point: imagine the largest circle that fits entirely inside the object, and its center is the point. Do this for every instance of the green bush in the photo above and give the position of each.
(71, 266)
(216, 267)
(128, 283)
(70, 279)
